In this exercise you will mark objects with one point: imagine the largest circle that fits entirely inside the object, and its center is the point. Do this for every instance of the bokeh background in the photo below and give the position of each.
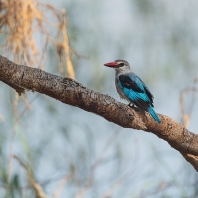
(73, 153)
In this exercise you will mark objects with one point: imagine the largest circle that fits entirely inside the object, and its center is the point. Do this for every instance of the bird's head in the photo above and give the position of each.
(119, 65)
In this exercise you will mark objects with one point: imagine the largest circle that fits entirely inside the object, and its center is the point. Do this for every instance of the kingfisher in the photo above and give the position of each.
(131, 88)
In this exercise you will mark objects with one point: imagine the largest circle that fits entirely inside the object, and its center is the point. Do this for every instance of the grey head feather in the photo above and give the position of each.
(123, 69)
(121, 61)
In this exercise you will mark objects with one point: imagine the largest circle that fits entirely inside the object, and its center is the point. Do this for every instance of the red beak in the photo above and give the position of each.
(111, 64)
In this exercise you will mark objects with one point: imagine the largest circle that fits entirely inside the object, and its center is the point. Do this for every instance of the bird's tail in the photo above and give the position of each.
(153, 114)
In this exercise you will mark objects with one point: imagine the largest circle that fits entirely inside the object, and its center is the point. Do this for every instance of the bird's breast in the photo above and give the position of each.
(120, 91)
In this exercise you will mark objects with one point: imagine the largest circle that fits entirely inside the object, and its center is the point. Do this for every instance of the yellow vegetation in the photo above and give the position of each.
(29, 26)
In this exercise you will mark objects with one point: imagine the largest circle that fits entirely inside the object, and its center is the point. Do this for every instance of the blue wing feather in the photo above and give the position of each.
(138, 93)
(147, 91)
(153, 114)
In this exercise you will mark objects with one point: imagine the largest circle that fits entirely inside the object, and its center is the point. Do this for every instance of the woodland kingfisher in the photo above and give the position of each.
(131, 88)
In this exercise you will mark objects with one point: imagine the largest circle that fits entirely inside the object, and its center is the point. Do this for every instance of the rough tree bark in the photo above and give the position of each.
(70, 92)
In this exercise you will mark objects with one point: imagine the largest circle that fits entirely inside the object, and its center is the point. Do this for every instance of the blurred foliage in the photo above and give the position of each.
(21, 20)
(67, 152)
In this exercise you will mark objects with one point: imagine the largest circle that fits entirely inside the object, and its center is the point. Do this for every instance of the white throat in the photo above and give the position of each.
(123, 70)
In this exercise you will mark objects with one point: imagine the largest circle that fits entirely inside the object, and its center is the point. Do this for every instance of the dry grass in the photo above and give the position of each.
(29, 26)
(36, 186)
(186, 110)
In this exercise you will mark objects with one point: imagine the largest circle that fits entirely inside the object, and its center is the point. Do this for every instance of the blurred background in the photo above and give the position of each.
(72, 153)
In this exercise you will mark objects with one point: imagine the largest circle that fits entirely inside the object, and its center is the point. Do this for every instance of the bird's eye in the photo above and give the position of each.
(121, 64)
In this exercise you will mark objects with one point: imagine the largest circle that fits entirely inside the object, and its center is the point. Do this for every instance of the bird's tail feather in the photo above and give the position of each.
(153, 114)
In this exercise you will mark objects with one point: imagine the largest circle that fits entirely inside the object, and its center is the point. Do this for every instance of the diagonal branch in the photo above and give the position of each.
(73, 93)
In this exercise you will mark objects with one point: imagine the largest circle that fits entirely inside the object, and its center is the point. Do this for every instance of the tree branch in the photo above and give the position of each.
(73, 93)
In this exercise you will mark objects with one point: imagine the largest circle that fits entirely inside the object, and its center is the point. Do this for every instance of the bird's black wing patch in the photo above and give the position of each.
(147, 91)
(142, 104)
(128, 83)
(149, 95)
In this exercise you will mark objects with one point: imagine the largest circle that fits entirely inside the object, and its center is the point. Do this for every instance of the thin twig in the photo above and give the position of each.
(97, 162)
(61, 185)
(186, 116)
(37, 187)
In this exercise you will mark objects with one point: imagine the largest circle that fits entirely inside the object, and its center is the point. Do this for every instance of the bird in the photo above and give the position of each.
(131, 88)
